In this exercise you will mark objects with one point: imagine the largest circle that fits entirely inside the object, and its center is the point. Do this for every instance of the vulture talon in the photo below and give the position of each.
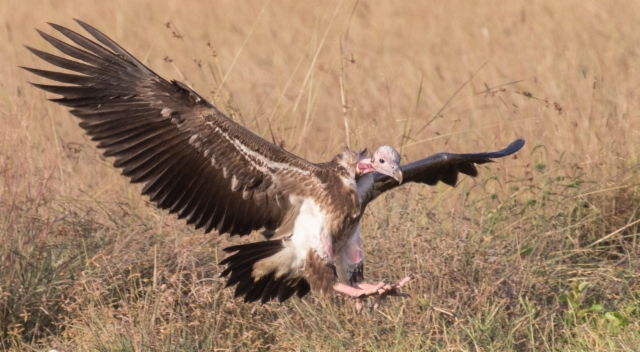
(380, 291)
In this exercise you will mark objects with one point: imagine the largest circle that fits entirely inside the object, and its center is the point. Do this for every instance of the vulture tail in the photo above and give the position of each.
(255, 268)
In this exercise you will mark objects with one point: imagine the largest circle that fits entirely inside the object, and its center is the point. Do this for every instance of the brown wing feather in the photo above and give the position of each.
(193, 160)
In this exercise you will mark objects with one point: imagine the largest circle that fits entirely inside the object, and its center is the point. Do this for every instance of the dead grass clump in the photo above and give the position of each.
(42, 254)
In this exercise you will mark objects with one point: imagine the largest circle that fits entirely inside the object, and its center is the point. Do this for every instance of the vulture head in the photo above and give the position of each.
(385, 160)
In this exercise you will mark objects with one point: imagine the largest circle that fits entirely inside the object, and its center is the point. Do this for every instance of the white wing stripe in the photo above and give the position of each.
(255, 158)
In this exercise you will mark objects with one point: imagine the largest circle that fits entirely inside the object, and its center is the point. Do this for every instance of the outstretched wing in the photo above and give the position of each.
(193, 160)
(442, 167)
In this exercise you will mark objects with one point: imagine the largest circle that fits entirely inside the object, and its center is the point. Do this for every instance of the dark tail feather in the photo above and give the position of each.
(266, 288)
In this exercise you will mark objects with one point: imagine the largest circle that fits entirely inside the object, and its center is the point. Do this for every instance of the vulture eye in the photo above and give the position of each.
(381, 161)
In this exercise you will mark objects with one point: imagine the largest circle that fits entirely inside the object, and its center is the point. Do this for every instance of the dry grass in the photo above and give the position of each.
(501, 261)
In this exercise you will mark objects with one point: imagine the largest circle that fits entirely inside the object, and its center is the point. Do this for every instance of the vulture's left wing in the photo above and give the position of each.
(443, 167)
(193, 160)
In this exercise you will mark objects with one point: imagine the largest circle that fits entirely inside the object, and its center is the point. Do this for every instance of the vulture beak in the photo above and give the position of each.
(391, 169)
(397, 174)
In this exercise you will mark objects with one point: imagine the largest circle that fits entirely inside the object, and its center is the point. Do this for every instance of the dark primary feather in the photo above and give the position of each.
(443, 167)
(194, 161)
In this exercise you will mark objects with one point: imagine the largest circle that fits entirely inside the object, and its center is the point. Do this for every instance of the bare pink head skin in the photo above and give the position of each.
(385, 160)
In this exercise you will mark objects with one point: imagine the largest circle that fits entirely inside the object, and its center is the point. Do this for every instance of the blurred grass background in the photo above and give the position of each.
(540, 252)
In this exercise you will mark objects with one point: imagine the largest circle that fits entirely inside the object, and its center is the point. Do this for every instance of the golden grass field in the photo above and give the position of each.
(540, 252)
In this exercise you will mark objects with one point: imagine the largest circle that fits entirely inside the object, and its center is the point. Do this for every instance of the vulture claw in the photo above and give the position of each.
(380, 291)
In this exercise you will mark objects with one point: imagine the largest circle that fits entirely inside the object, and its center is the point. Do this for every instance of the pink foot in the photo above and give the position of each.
(379, 290)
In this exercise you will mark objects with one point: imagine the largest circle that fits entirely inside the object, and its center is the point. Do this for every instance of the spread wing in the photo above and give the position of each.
(193, 160)
(443, 167)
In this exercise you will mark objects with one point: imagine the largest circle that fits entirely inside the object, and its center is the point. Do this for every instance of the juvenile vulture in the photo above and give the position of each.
(199, 164)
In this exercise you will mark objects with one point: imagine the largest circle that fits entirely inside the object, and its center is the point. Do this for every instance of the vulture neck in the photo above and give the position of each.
(364, 185)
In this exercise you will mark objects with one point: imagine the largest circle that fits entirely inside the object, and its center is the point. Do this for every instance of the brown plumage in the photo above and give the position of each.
(199, 164)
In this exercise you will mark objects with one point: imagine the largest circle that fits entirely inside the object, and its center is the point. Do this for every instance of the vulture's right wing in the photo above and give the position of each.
(439, 167)
(193, 160)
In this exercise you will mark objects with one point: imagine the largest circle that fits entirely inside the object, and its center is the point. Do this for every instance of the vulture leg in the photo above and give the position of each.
(357, 292)
(350, 260)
